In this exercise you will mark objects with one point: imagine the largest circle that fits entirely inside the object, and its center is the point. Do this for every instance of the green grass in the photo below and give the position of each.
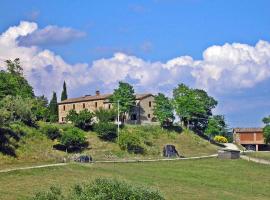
(260, 155)
(189, 179)
(36, 148)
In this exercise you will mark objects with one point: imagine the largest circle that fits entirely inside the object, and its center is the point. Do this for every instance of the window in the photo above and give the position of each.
(83, 105)
(73, 106)
(109, 106)
(96, 104)
(149, 116)
(64, 107)
(150, 103)
(63, 119)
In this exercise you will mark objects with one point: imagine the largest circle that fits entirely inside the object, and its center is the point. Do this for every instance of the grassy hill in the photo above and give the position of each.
(35, 148)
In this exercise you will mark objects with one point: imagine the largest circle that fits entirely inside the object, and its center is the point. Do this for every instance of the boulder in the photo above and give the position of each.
(170, 151)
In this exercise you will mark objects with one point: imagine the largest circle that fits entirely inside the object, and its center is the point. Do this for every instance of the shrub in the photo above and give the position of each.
(51, 131)
(105, 115)
(220, 139)
(106, 130)
(73, 138)
(131, 142)
(102, 189)
(54, 193)
(82, 120)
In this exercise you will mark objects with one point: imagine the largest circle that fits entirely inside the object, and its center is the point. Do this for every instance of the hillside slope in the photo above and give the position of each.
(36, 148)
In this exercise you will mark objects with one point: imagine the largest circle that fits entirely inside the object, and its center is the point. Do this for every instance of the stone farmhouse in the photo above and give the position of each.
(142, 113)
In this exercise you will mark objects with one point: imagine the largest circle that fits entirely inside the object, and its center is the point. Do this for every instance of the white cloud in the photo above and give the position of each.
(50, 35)
(223, 68)
(44, 70)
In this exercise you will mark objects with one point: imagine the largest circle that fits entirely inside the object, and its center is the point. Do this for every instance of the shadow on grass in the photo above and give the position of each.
(8, 142)
(71, 149)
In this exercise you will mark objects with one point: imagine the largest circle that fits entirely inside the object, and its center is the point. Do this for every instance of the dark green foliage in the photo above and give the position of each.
(53, 108)
(13, 83)
(106, 115)
(64, 95)
(102, 189)
(51, 131)
(73, 138)
(106, 130)
(126, 97)
(16, 109)
(54, 193)
(163, 110)
(193, 106)
(216, 126)
(266, 129)
(40, 108)
(82, 120)
(131, 142)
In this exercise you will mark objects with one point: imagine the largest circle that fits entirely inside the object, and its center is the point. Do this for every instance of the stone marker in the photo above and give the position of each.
(170, 151)
(83, 159)
(228, 154)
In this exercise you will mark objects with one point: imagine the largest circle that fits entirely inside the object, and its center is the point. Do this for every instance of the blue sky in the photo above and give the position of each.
(150, 34)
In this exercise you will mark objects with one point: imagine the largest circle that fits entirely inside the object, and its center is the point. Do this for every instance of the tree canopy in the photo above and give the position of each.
(216, 126)
(64, 95)
(126, 97)
(53, 108)
(266, 129)
(163, 109)
(13, 83)
(193, 106)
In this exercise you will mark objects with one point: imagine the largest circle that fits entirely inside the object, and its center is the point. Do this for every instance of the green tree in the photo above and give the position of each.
(14, 67)
(193, 106)
(64, 95)
(16, 109)
(216, 126)
(40, 108)
(73, 138)
(13, 83)
(105, 115)
(82, 120)
(126, 97)
(266, 129)
(163, 109)
(53, 108)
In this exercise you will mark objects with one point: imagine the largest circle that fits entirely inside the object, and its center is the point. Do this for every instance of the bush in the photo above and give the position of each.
(105, 115)
(106, 130)
(54, 193)
(82, 120)
(73, 138)
(131, 142)
(102, 189)
(51, 131)
(220, 139)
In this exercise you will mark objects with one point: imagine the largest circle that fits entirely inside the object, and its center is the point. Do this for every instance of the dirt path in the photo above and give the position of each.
(108, 161)
(257, 160)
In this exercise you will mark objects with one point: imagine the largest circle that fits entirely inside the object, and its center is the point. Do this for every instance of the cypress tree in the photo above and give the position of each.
(53, 108)
(64, 92)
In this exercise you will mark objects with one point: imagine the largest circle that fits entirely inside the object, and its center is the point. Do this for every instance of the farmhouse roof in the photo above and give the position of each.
(246, 130)
(98, 97)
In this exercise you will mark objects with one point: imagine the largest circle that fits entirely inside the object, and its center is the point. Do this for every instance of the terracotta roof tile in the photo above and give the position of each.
(98, 97)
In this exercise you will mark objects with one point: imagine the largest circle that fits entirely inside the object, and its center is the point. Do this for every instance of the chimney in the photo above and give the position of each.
(97, 92)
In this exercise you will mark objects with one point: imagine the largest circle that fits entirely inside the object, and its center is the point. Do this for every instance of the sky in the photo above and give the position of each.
(220, 46)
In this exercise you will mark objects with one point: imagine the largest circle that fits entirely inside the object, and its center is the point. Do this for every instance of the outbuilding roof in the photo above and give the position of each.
(246, 130)
(98, 97)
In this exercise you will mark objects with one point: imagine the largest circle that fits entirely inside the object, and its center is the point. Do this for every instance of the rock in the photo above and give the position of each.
(170, 151)
(83, 159)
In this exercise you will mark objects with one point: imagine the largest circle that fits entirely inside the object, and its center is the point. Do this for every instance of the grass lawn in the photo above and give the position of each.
(189, 179)
(260, 155)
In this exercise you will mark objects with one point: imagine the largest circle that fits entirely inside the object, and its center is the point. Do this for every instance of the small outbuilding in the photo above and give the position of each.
(228, 154)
